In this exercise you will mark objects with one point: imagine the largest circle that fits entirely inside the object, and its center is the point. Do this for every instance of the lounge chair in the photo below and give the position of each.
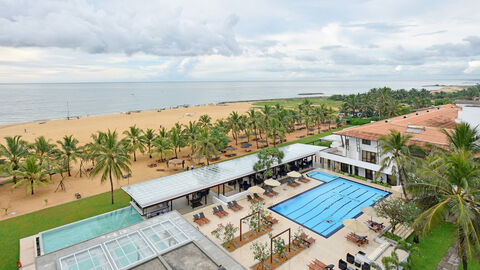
(309, 241)
(293, 184)
(268, 194)
(258, 197)
(269, 220)
(250, 199)
(216, 212)
(304, 180)
(271, 191)
(350, 258)
(232, 207)
(342, 264)
(203, 218)
(374, 226)
(320, 264)
(239, 207)
(359, 240)
(365, 266)
(313, 266)
(222, 211)
(198, 220)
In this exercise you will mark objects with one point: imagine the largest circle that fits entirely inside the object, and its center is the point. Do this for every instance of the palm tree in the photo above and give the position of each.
(14, 151)
(235, 125)
(177, 139)
(32, 173)
(69, 149)
(350, 105)
(319, 116)
(111, 157)
(205, 121)
(134, 141)
(396, 153)
(464, 137)
(147, 139)
(276, 130)
(191, 130)
(161, 147)
(448, 186)
(205, 145)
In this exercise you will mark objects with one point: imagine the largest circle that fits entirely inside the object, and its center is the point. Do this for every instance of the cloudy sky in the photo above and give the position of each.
(84, 41)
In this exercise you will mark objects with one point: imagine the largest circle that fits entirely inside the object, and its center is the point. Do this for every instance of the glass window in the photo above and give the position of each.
(129, 249)
(164, 235)
(90, 259)
(370, 157)
(367, 142)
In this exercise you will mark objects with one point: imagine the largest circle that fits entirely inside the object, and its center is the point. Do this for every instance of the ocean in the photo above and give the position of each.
(39, 102)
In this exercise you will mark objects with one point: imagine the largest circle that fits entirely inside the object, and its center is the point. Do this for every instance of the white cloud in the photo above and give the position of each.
(472, 67)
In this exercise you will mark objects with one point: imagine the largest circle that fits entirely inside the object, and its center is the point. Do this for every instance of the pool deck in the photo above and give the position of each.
(328, 250)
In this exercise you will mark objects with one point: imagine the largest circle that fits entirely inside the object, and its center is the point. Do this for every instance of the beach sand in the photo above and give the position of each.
(448, 89)
(19, 201)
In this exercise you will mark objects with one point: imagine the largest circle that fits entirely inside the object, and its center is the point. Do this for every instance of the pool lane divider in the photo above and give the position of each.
(330, 190)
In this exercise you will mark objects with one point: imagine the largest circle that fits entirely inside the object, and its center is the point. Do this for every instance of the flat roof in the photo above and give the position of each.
(176, 185)
(429, 122)
(136, 245)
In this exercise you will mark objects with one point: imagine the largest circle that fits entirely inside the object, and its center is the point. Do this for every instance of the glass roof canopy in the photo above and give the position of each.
(166, 188)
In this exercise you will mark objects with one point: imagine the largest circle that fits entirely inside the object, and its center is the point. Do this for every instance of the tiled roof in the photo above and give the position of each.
(430, 123)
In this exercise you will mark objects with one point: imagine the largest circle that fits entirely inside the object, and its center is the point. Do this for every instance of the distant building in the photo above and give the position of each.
(356, 150)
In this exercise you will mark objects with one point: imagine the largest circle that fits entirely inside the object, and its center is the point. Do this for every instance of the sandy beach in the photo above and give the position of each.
(17, 200)
(448, 89)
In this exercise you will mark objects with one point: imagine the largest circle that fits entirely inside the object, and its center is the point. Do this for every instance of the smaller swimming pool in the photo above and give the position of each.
(73, 233)
(325, 177)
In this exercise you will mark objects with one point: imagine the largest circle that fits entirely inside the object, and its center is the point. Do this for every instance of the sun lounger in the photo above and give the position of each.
(258, 197)
(250, 199)
(319, 264)
(268, 194)
(271, 191)
(359, 240)
(269, 220)
(374, 226)
(216, 212)
(203, 218)
(304, 180)
(232, 207)
(313, 266)
(292, 183)
(198, 220)
(222, 211)
(239, 207)
(310, 241)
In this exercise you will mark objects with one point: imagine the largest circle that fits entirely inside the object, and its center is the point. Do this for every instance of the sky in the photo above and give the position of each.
(221, 40)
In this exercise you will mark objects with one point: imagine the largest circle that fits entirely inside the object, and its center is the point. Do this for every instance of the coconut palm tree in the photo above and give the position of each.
(147, 139)
(396, 153)
(14, 151)
(134, 141)
(42, 147)
(177, 138)
(32, 173)
(111, 159)
(235, 125)
(205, 145)
(191, 131)
(161, 147)
(448, 186)
(69, 150)
(205, 121)
(276, 130)
(464, 137)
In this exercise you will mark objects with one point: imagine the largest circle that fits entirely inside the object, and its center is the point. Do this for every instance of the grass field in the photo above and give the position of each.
(294, 102)
(12, 230)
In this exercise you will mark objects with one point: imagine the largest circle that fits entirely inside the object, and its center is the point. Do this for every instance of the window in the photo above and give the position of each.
(369, 174)
(370, 157)
(367, 142)
(347, 144)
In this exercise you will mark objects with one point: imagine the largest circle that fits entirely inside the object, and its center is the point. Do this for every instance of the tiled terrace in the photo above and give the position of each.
(328, 250)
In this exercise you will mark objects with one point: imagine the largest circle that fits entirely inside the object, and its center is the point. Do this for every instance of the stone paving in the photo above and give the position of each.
(450, 261)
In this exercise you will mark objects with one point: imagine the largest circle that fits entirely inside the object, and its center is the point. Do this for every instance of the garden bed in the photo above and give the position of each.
(246, 238)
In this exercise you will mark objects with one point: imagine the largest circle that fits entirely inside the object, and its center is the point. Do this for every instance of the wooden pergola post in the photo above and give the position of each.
(271, 243)
(258, 212)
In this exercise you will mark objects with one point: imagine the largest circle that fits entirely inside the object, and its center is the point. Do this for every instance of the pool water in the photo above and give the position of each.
(323, 208)
(82, 230)
(325, 177)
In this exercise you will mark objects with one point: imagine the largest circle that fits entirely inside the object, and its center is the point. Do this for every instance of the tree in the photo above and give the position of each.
(32, 173)
(392, 262)
(205, 145)
(279, 246)
(464, 137)
(260, 251)
(191, 131)
(69, 149)
(397, 211)
(253, 120)
(161, 147)
(111, 157)
(266, 158)
(205, 121)
(396, 153)
(134, 140)
(234, 122)
(276, 130)
(448, 187)
(177, 139)
(14, 151)
(225, 233)
(147, 140)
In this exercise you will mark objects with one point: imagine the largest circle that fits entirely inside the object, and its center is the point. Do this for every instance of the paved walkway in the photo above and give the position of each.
(451, 260)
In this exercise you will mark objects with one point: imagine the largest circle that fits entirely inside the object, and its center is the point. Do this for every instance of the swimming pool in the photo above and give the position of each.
(325, 177)
(323, 208)
(82, 230)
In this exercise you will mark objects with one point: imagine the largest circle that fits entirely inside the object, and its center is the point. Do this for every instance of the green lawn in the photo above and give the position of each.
(433, 247)
(12, 230)
(294, 102)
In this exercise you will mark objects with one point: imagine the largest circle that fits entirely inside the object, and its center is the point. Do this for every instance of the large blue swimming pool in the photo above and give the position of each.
(323, 208)
(325, 177)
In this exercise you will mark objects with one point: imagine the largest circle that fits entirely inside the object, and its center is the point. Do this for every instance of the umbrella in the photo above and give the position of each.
(368, 210)
(294, 174)
(175, 161)
(256, 189)
(355, 225)
(272, 182)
